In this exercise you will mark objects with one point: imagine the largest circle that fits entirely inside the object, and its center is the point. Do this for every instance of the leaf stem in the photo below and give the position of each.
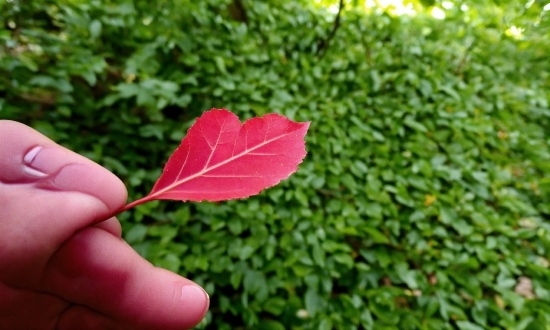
(128, 206)
(135, 203)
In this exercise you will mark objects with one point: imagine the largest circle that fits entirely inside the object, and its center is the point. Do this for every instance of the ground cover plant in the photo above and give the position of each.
(423, 202)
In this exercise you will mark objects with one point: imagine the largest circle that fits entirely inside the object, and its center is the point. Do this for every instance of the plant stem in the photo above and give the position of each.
(135, 203)
(128, 206)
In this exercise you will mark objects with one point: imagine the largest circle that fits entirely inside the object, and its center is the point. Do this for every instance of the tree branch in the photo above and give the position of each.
(323, 45)
(238, 12)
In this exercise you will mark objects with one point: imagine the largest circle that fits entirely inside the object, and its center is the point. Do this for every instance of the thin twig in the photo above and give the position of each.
(323, 45)
(238, 11)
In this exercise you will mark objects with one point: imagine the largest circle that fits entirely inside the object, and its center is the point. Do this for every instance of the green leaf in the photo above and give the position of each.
(447, 215)
(466, 325)
(220, 63)
(376, 235)
(275, 305)
(95, 29)
(271, 325)
(135, 234)
(314, 302)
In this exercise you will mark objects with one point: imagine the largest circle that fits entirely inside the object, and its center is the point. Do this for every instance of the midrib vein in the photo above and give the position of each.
(206, 170)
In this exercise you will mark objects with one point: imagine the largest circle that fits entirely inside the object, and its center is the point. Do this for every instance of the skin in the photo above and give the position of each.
(60, 268)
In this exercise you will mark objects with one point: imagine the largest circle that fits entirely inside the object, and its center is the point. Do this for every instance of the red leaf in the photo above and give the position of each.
(222, 159)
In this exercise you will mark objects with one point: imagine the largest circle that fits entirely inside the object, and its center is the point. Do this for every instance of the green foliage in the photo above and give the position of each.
(425, 193)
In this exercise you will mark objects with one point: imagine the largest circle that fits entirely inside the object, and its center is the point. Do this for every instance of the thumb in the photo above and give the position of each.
(27, 156)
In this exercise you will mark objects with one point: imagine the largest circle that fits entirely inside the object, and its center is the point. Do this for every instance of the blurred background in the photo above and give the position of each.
(423, 202)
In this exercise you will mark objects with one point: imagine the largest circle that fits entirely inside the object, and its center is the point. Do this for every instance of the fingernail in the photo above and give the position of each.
(28, 159)
(195, 300)
(31, 155)
(41, 161)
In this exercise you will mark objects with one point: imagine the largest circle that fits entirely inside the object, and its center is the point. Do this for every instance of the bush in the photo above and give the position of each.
(424, 197)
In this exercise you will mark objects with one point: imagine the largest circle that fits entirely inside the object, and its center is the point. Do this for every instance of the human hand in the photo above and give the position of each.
(59, 267)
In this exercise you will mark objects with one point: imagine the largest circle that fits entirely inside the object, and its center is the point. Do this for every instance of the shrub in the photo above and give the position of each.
(423, 200)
